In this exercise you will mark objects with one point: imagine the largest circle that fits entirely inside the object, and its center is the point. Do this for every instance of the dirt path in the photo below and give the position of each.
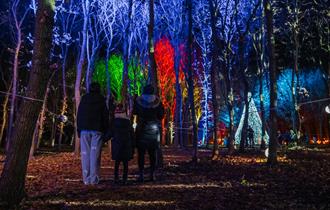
(300, 181)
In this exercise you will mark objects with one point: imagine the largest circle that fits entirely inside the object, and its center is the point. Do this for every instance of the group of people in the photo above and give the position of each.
(96, 125)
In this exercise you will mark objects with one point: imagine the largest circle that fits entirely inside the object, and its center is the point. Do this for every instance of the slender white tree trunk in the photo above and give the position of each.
(85, 5)
(15, 83)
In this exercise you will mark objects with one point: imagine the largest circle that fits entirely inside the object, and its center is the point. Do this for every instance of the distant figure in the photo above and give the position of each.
(92, 122)
(279, 138)
(250, 132)
(122, 143)
(149, 111)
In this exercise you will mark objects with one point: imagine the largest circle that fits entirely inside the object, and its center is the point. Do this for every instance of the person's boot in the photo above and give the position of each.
(124, 179)
(152, 176)
(116, 180)
(141, 178)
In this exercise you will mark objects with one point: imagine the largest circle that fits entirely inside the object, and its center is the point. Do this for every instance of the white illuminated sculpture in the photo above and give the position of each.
(254, 122)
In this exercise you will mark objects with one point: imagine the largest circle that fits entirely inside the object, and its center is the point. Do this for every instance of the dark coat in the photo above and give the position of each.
(149, 111)
(92, 113)
(122, 143)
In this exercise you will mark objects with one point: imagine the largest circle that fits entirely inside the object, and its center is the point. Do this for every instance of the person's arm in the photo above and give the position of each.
(79, 114)
(105, 117)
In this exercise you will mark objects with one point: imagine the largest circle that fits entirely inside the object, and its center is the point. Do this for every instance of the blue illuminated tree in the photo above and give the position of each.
(244, 25)
(86, 7)
(107, 15)
(224, 31)
(93, 41)
(17, 21)
(65, 35)
(203, 36)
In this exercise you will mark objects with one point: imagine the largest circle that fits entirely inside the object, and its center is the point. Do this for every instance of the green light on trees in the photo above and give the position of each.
(116, 66)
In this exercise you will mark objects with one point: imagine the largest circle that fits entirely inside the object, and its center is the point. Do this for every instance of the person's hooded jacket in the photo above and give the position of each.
(93, 114)
(122, 142)
(149, 111)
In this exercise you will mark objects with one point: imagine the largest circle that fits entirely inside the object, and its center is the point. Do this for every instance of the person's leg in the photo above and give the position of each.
(125, 171)
(152, 158)
(141, 152)
(117, 162)
(85, 145)
(95, 156)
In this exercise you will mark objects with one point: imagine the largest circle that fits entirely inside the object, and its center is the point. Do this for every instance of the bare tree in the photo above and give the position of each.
(66, 16)
(258, 39)
(18, 21)
(244, 26)
(93, 45)
(39, 128)
(108, 14)
(151, 50)
(272, 157)
(190, 79)
(4, 118)
(227, 11)
(86, 12)
(214, 77)
(12, 179)
(203, 36)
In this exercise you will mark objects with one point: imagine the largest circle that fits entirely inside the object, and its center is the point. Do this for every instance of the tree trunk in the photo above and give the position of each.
(107, 73)
(54, 117)
(231, 135)
(178, 96)
(85, 6)
(321, 112)
(15, 83)
(261, 74)
(126, 46)
(214, 79)
(152, 62)
(5, 113)
(65, 99)
(294, 86)
(272, 157)
(34, 139)
(295, 73)
(12, 179)
(262, 112)
(190, 80)
(41, 120)
(243, 140)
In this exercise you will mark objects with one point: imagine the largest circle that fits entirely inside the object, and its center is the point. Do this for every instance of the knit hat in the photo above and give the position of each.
(148, 90)
(95, 87)
(120, 108)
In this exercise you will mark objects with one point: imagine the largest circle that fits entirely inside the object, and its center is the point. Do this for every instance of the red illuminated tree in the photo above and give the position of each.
(164, 55)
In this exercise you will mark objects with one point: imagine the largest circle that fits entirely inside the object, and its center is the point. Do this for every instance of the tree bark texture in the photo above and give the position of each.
(272, 157)
(41, 120)
(214, 79)
(15, 82)
(85, 6)
(190, 80)
(12, 179)
(151, 48)
(5, 113)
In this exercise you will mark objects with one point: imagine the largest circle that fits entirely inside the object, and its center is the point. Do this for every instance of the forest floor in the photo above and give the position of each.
(301, 180)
